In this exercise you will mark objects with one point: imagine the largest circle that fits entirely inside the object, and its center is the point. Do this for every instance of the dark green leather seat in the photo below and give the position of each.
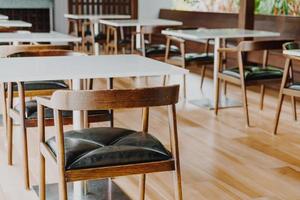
(294, 86)
(124, 41)
(256, 73)
(194, 57)
(292, 45)
(42, 85)
(159, 49)
(31, 111)
(100, 147)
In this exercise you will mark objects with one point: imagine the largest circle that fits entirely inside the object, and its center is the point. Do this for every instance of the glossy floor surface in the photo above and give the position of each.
(220, 158)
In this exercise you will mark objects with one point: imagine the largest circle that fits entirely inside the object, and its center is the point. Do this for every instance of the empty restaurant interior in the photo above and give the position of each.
(149, 99)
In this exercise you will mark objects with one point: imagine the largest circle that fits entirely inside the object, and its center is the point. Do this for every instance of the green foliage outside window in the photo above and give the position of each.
(267, 7)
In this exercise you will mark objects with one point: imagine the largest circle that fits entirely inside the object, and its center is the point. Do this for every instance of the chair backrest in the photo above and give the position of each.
(114, 99)
(37, 50)
(7, 29)
(246, 46)
(291, 45)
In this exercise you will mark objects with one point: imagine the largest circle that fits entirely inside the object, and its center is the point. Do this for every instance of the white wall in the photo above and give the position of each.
(147, 9)
(150, 8)
(60, 8)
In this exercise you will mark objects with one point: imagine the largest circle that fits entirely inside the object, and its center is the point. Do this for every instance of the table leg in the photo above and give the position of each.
(138, 37)
(78, 121)
(96, 32)
(209, 101)
(216, 65)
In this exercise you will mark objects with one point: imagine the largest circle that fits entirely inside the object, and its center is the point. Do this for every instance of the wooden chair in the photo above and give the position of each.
(26, 112)
(89, 39)
(145, 154)
(185, 60)
(288, 85)
(291, 46)
(150, 49)
(115, 42)
(248, 74)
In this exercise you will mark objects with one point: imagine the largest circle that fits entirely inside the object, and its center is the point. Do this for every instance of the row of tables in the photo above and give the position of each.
(5, 22)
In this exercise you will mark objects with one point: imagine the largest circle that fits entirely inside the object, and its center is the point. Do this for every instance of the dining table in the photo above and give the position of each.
(294, 52)
(15, 24)
(3, 17)
(77, 69)
(94, 21)
(219, 34)
(139, 23)
(37, 37)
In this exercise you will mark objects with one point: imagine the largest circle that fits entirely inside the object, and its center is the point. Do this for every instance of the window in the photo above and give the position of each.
(267, 7)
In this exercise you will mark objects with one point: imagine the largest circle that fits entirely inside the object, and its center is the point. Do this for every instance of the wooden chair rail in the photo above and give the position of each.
(8, 50)
(124, 170)
(112, 99)
(76, 100)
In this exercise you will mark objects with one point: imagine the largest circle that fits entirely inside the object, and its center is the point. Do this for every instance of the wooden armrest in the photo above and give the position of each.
(227, 50)
(45, 101)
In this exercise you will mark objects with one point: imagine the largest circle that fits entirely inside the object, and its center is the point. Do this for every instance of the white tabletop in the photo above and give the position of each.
(82, 67)
(14, 23)
(141, 22)
(37, 37)
(3, 17)
(295, 52)
(95, 17)
(200, 34)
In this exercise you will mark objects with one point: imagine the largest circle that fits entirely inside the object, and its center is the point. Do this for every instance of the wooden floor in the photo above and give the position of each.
(220, 158)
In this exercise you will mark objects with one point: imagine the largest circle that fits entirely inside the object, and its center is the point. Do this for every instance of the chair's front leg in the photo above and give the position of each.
(9, 124)
(41, 129)
(23, 133)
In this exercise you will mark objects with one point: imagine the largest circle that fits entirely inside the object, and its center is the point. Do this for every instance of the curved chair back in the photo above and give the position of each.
(114, 99)
(291, 45)
(32, 50)
(246, 46)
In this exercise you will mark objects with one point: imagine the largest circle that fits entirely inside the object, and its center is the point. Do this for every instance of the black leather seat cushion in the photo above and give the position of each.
(99, 147)
(194, 57)
(256, 73)
(43, 85)
(124, 41)
(31, 111)
(100, 37)
(292, 46)
(160, 49)
(294, 86)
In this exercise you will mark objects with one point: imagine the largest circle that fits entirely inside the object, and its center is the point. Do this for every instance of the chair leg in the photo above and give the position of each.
(245, 102)
(225, 88)
(184, 86)
(203, 70)
(9, 141)
(25, 158)
(217, 96)
(142, 186)
(42, 186)
(177, 185)
(109, 190)
(262, 96)
(63, 194)
(278, 111)
(294, 107)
